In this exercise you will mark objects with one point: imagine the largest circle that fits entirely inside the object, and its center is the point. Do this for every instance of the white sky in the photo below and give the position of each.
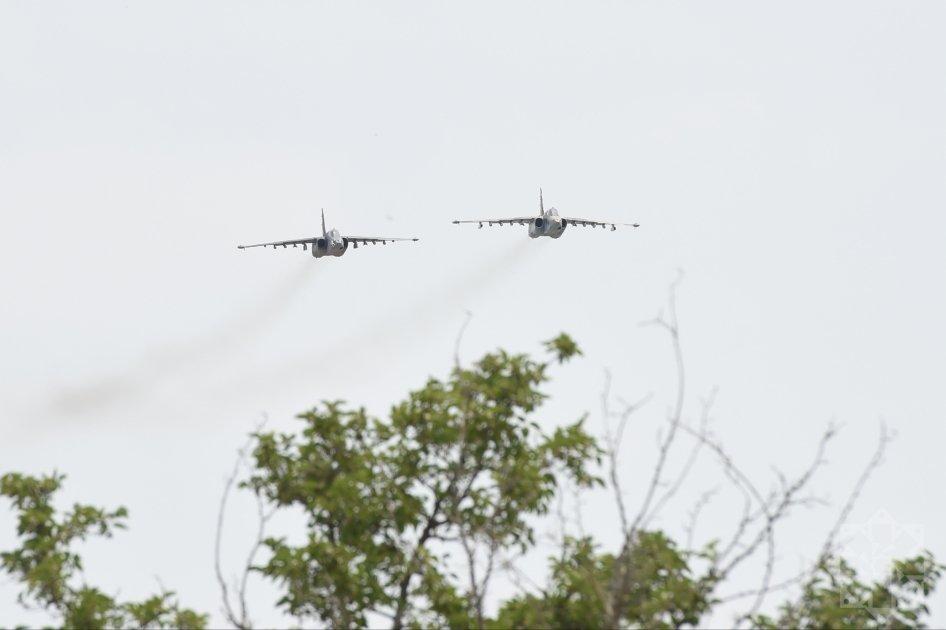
(789, 159)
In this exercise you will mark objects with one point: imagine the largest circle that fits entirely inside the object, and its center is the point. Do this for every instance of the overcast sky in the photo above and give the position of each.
(788, 158)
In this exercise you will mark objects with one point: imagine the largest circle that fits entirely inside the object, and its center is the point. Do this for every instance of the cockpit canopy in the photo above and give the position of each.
(552, 212)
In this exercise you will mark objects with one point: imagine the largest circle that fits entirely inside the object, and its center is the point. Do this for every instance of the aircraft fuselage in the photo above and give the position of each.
(550, 224)
(332, 244)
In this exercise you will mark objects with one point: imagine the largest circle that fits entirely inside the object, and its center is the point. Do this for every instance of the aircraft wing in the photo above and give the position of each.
(374, 240)
(512, 221)
(275, 244)
(604, 224)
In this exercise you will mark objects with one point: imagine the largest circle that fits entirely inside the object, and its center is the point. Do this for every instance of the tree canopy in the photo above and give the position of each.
(47, 566)
(409, 519)
(460, 462)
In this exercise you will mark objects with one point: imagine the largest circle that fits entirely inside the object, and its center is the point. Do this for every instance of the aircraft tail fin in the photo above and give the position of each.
(324, 233)
(541, 207)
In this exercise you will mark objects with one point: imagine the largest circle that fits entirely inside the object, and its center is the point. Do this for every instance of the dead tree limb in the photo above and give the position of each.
(242, 619)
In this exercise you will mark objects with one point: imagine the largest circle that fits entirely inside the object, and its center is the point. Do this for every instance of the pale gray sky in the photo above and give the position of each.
(789, 159)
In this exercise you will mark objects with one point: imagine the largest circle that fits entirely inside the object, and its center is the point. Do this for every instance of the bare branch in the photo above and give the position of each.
(875, 461)
(674, 419)
(456, 347)
(612, 449)
(774, 509)
(690, 526)
(745, 520)
(704, 421)
(792, 581)
(241, 621)
(560, 515)
(761, 513)
(450, 493)
(829, 547)
(613, 442)
(579, 520)
(517, 575)
(484, 583)
(766, 578)
(227, 610)
(620, 578)
(625, 415)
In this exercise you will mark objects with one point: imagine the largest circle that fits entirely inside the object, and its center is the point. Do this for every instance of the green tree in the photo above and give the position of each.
(460, 463)
(663, 592)
(47, 567)
(835, 598)
(461, 468)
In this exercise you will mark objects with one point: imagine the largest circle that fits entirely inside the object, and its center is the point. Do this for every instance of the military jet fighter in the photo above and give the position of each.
(548, 223)
(330, 244)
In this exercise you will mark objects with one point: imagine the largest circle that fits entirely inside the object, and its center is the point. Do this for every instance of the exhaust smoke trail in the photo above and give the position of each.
(395, 332)
(161, 364)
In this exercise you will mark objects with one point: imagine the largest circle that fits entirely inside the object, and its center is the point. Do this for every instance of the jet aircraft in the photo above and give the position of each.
(548, 223)
(330, 244)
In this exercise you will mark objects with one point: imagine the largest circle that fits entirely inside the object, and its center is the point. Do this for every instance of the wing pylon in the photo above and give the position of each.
(586, 222)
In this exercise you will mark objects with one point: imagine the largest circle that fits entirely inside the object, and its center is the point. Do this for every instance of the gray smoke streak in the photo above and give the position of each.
(400, 330)
(161, 364)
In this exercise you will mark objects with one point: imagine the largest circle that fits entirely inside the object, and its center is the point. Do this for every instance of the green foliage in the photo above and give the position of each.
(563, 347)
(459, 466)
(458, 462)
(46, 565)
(835, 598)
(662, 592)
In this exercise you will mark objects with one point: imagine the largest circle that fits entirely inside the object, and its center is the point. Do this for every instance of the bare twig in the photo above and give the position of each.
(471, 567)
(875, 461)
(777, 506)
(484, 583)
(675, 419)
(613, 442)
(456, 347)
(829, 547)
(517, 575)
(761, 512)
(694, 514)
(579, 520)
(698, 444)
(745, 520)
(241, 621)
(562, 520)
(792, 581)
(451, 493)
(766, 578)
(620, 578)
(612, 452)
